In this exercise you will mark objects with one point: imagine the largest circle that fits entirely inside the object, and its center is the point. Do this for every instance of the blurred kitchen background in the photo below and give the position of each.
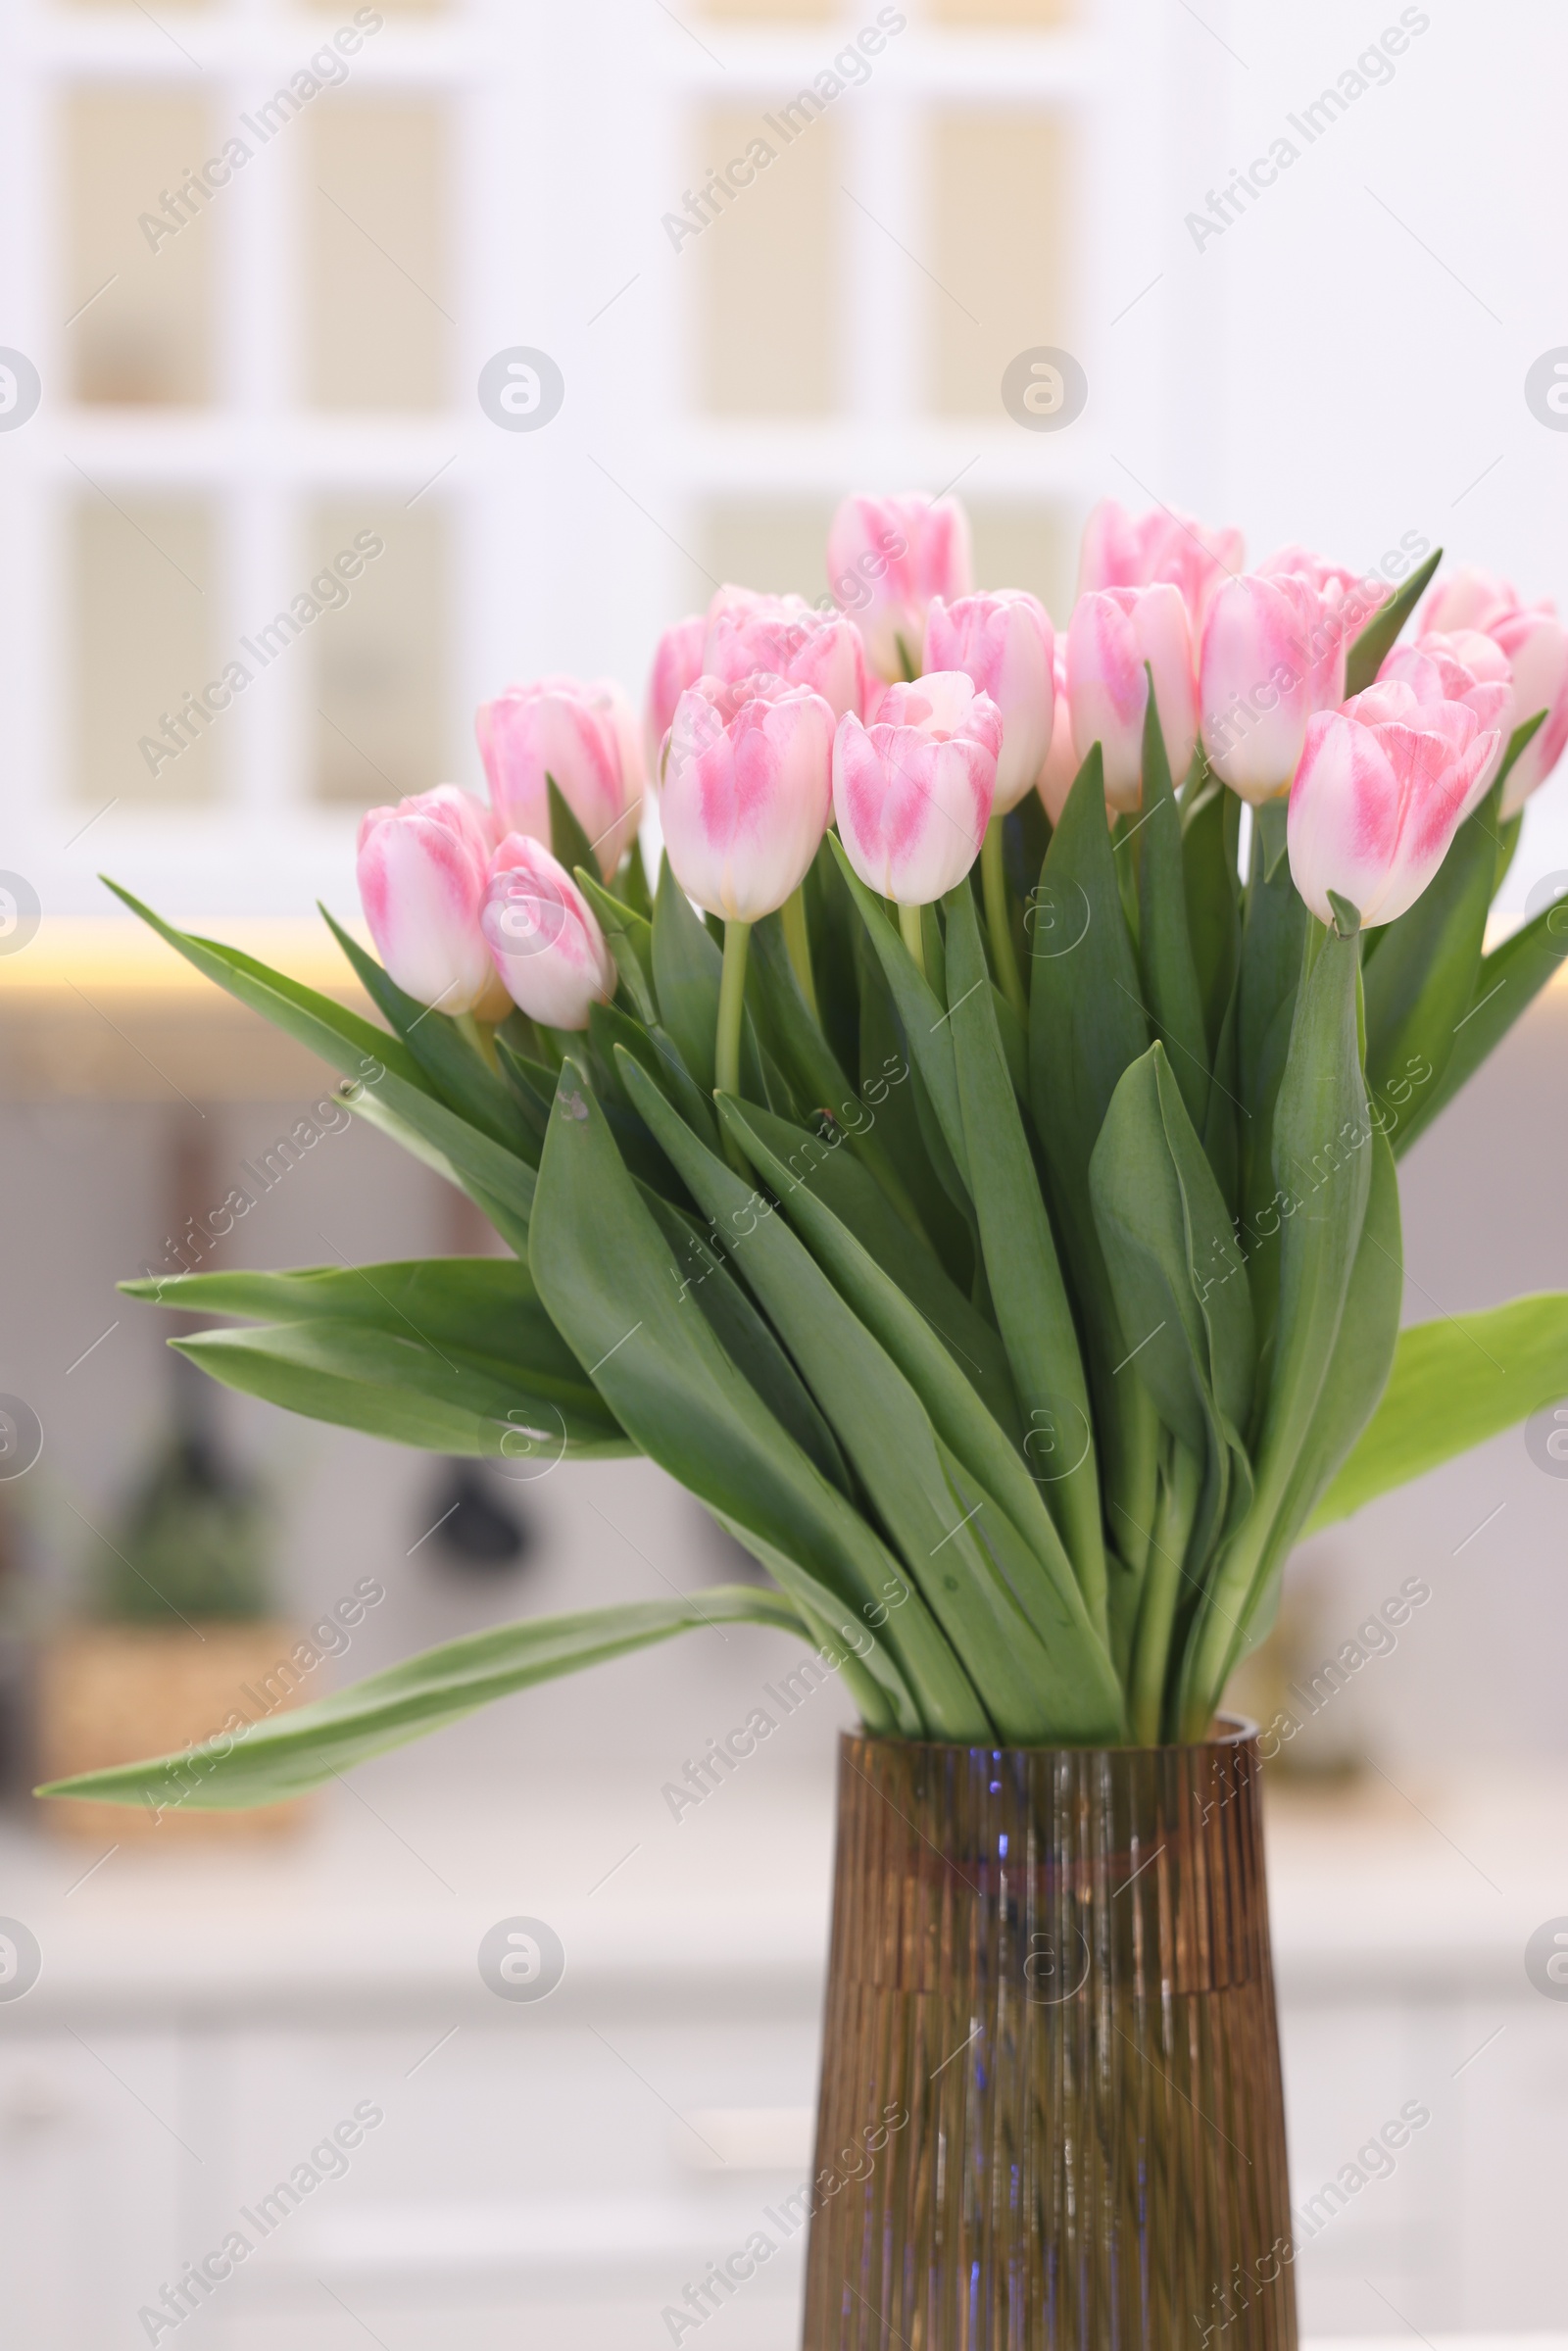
(194, 420)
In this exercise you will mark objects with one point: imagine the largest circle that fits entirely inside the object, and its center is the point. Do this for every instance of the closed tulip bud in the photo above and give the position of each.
(912, 793)
(1113, 633)
(586, 738)
(549, 952)
(1380, 790)
(421, 870)
(782, 636)
(1139, 551)
(1273, 654)
(1062, 761)
(1536, 645)
(885, 558)
(746, 792)
(677, 665)
(1005, 645)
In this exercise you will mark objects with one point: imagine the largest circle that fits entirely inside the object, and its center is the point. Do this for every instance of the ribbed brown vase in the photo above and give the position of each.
(1050, 2111)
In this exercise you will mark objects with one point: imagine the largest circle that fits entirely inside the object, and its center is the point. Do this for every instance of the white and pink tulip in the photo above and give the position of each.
(422, 870)
(1112, 634)
(1381, 789)
(1535, 644)
(1273, 654)
(545, 944)
(913, 792)
(886, 559)
(1140, 551)
(1006, 646)
(677, 665)
(746, 792)
(783, 636)
(585, 737)
(1062, 761)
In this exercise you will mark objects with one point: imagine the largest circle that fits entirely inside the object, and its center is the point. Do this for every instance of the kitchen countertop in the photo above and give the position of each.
(1416, 1882)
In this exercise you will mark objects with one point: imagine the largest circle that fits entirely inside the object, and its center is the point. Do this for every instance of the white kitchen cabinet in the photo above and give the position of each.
(556, 2172)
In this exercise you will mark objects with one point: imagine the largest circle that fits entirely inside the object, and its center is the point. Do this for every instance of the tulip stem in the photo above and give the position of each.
(482, 1037)
(731, 1009)
(798, 945)
(1156, 1615)
(909, 927)
(994, 884)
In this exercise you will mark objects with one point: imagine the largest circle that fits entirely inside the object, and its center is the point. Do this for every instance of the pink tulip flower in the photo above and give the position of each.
(1062, 761)
(885, 558)
(1137, 551)
(746, 792)
(1273, 654)
(677, 665)
(584, 736)
(1464, 667)
(1005, 644)
(548, 951)
(1113, 633)
(1354, 595)
(422, 872)
(1380, 790)
(912, 793)
(783, 636)
(1535, 644)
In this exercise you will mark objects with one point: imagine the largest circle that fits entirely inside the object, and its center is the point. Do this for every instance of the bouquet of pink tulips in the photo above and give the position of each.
(969, 1165)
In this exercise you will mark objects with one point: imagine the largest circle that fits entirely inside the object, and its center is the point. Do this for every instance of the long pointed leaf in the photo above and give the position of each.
(1170, 985)
(378, 1062)
(443, 1053)
(958, 1567)
(602, 1267)
(1367, 655)
(486, 1306)
(922, 1011)
(245, 1762)
(748, 1340)
(858, 1202)
(1454, 1384)
(687, 965)
(1321, 1130)
(1020, 1252)
(397, 1387)
(974, 1446)
(1510, 980)
(1086, 1025)
(1421, 982)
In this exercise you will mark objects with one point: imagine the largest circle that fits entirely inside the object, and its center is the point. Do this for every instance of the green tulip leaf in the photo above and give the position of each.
(1454, 1384)
(443, 1053)
(385, 1076)
(1377, 639)
(605, 1273)
(1169, 972)
(246, 1762)
(1020, 1248)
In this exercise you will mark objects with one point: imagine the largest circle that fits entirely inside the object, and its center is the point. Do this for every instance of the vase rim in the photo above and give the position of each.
(1226, 1731)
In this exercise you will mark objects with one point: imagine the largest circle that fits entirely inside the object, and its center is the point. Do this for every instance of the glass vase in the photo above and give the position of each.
(1050, 2108)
